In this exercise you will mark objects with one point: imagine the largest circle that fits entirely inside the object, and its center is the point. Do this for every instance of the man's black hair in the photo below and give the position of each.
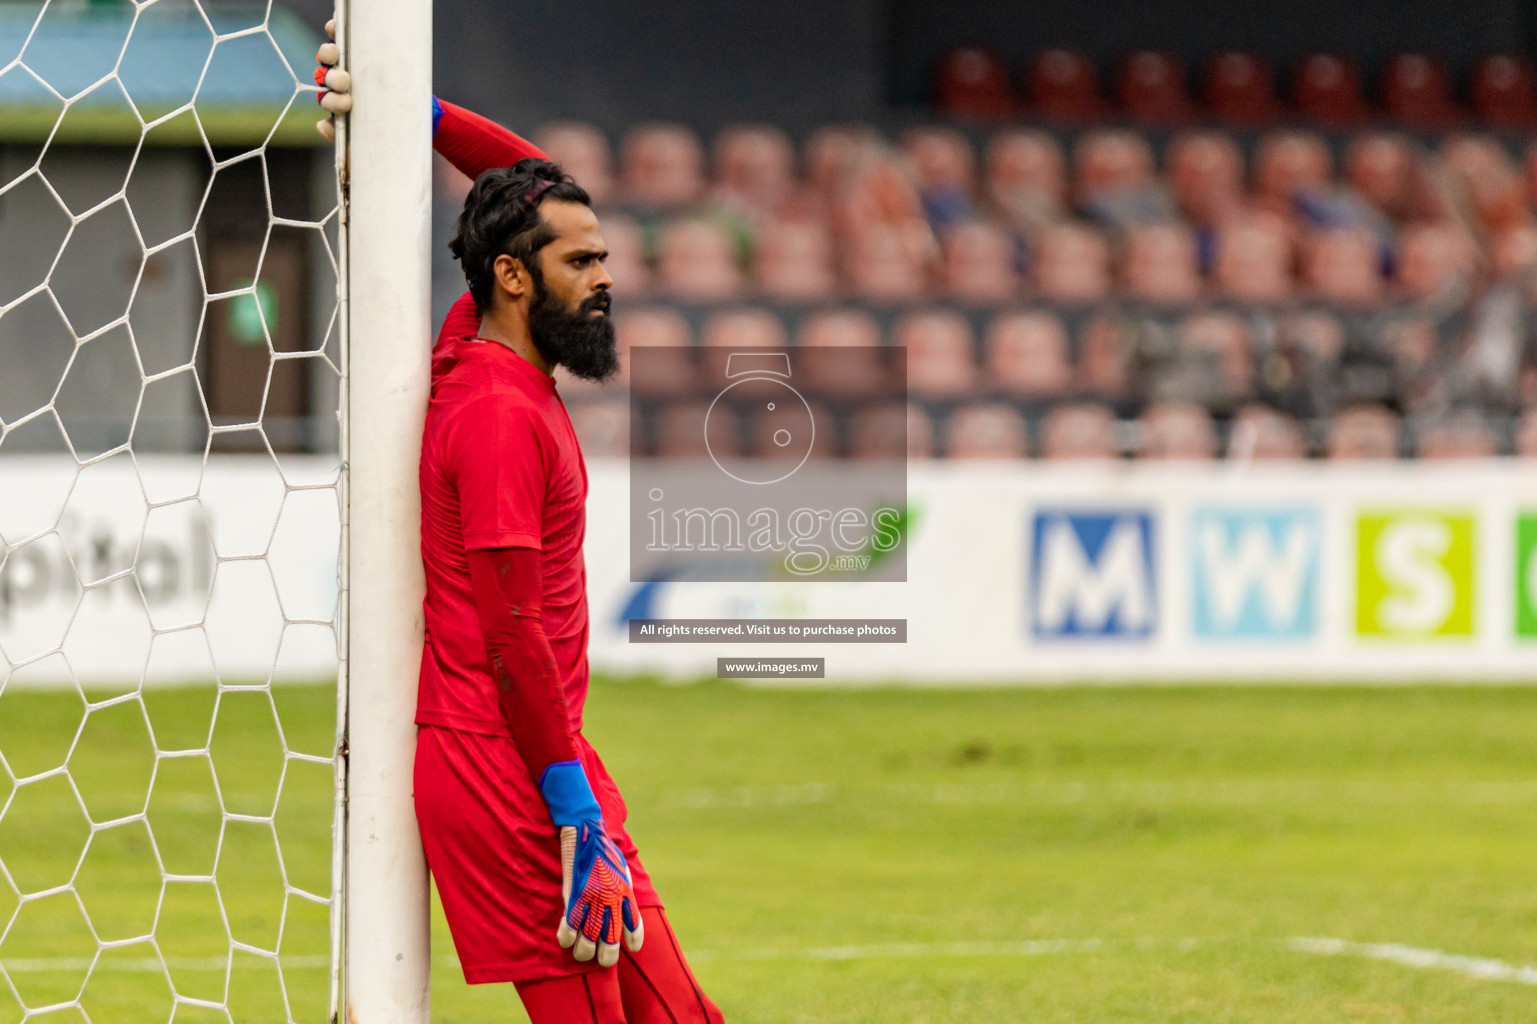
(501, 216)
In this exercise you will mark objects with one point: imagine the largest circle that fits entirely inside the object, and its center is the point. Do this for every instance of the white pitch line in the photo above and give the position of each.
(1411, 956)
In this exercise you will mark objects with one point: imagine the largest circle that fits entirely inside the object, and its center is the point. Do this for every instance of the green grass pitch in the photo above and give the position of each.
(1075, 855)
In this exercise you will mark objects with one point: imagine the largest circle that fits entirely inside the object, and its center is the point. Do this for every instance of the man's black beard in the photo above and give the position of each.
(577, 340)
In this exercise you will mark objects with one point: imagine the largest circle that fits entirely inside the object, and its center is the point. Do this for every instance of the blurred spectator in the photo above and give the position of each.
(626, 262)
(754, 169)
(979, 263)
(1515, 251)
(1419, 380)
(582, 152)
(839, 356)
(1072, 263)
(697, 261)
(603, 428)
(1114, 181)
(920, 434)
(1026, 355)
(946, 169)
(1241, 87)
(1300, 370)
(1177, 430)
(1415, 90)
(1151, 87)
(1206, 172)
(1218, 345)
(744, 328)
(770, 441)
(1064, 84)
(1464, 435)
(832, 152)
(669, 371)
(1340, 266)
(881, 265)
(1026, 181)
(1526, 435)
(1486, 180)
(794, 260)
(680, 431)
(1363, 432)
(973, 82)
(889, 431)
(1328, 89)
(1160, 264)
(987, 431)
(1434, 263)
(941, 356)
(1253, 259)
(1261, 433)
(1289, 162)
(1381, 168)
(663, 165)
(1104, 362)
(1079, 431)
(1503, 92)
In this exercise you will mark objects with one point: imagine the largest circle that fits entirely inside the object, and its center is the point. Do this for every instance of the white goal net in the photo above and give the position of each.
(171, 369)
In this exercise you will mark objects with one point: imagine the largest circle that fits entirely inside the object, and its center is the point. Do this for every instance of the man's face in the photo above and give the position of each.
(568, 315)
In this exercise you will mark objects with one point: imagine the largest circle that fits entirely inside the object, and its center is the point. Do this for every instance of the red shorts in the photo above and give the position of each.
(494, 853)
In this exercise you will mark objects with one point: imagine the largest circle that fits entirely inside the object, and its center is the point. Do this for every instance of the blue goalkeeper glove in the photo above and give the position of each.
(595, 880)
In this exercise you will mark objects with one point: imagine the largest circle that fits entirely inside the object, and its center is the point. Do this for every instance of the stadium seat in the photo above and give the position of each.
(831, 152)
(697, 261)
(945, 167)
(754, 169)
(1160, 264)
(1026, 179)
(1340, 265)
(1108, 161)
(1433, 259)
(1488, 180)
(973, 82)
(1103, 358)
(1380, 166)
(793, 260)
(626, 262)
(1415, 90)
(1260, 433)
(1026, 355)
(744, 328)
(941, 354)
(1240, 87)
(1288, 162)
(680, 431)
(1503, 92)
(669, 372)
(920, 434)
(1515, 251)
(1206, 173)
(1526, 435)
(1460, 436)
(602, 427)
(987, 431)
(1079, 431)
(880, 264)
(1219, 341)
(1071, 264)
(663, 165)
(1328, 89)
(1176, 430)
(1363, 432)
(1253, 261)
(1318, 336)
(1064, 84)
(886, 431)
(1150, 86)
(766, 441)
(979, 263)
(838, 354)
(582, 152)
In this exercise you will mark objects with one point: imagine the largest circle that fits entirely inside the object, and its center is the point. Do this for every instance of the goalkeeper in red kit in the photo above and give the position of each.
(522, 826)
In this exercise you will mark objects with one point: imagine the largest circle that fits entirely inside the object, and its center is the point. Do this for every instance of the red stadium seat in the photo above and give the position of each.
(1151, 87)
(920, 434)
(893, 430)
(1289, 162)
(1363, 432)
(1381, 167)
(1465, 436)
(1071, 264)
(1328, 89)
(987, 431)
(1064, 84)
(766, 439)
(1259, 432)
(1340, 266)
(794, 260)
(1526, 435)
(754, 168)
(1220, 340)
(582, 152)
(1503, 91)
(1177, 430)
(1108, 161)
(626, 262)
(670, 372)
(1079, 431)
(1432, 259)
(1103, 358)
(1026, 178)
(941, 355)
(839, 356)
(698, 261)
(1415, 90)
(1160, 264)
(680, 431)
(1206, 173)
(973, 82)
(942, 158)
(1026, 355)
(603, 427)
(663, 165)
(979, 263)
(1241, 87)
(831, 153)
(881, 265)
(1254, 259)
(744, 328)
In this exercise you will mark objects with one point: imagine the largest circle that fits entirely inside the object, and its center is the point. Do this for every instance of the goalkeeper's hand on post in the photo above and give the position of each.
(335, 96)
(598, 902)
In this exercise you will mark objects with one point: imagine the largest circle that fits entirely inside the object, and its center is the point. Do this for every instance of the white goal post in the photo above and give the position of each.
(384, 157)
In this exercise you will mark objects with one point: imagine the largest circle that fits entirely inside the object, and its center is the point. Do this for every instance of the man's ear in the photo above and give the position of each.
(512, 276)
